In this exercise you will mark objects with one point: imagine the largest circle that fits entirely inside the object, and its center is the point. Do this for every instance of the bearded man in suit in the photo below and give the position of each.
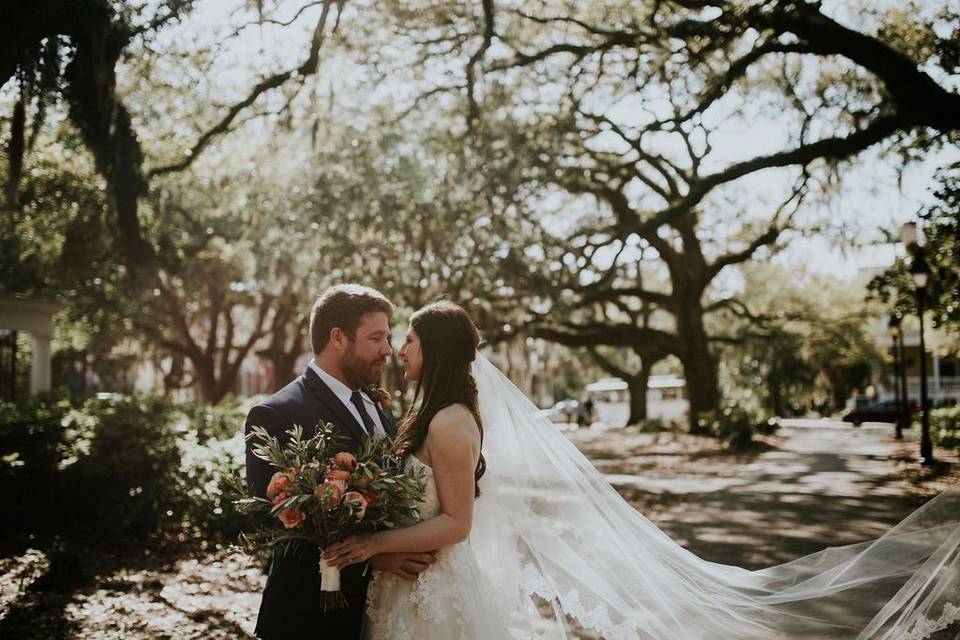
(350, 336)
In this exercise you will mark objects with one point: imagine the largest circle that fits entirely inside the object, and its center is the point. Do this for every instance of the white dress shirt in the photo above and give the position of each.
(343, 392)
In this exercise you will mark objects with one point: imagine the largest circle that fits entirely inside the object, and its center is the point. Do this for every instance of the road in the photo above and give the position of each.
(827, 484)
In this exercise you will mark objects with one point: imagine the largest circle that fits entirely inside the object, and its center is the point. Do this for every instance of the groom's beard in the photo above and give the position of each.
(360, 372)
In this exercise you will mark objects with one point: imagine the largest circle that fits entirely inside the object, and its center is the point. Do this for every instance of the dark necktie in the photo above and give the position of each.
(357, 401)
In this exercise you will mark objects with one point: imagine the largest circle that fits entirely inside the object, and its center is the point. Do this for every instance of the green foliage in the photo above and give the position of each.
(222, 421)
(804, 341)
(204, 484)
(773, 364)
(650, 425)
(846, 354)
(31, 445)
(735, 426)
(941, 229)
(117, 468)
(945, 427)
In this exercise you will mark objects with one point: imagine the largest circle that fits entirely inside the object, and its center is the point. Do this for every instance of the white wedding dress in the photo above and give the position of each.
(451, 600)
(553, 543)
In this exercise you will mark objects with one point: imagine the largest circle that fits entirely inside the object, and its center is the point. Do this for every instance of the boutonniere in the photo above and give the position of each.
(378, 394)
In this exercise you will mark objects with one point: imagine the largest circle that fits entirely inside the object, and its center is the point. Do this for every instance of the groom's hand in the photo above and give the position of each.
(405, 565)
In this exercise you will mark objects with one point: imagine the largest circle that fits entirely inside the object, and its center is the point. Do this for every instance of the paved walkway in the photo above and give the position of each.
(828, 484)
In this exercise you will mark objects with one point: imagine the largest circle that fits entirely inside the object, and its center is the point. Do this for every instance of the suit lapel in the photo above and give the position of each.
(323, 393)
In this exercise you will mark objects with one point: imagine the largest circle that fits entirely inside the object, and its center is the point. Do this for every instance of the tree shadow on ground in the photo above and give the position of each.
(99, 592)
(39, 612)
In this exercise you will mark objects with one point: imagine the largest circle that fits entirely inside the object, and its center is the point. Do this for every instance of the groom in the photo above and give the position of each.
(350, 335)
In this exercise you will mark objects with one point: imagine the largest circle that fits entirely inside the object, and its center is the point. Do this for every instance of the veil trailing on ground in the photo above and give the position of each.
(558, 543)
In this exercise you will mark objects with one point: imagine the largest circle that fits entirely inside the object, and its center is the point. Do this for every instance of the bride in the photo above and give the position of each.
(530, 537)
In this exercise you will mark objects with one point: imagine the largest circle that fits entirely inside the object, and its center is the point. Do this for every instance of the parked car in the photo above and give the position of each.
(879, 411)
(563, 412)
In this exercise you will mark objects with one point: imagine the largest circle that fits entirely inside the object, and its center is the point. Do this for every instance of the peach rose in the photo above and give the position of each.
(345, 460)
(330, 493)
(372, 498)
(291, 517)
(337, 474)
(280, 497)
(357, 503)
(278, 483)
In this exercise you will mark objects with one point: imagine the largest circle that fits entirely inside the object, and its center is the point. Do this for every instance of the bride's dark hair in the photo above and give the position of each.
(448, 344)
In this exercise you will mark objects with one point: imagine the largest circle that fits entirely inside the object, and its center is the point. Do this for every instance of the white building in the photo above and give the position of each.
(943, 368)
(35, 317)
(666, 399)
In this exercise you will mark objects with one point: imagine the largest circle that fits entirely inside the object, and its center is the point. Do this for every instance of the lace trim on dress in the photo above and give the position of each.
(925, 626)
(597, 619)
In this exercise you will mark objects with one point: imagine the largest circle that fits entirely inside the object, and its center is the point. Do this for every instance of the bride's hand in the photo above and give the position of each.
(352, 550)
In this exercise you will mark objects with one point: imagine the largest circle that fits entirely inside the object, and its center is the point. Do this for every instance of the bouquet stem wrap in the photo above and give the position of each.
(330, 595)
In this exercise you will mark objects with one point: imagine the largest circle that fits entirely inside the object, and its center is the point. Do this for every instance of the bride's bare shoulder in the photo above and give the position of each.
(453, 421)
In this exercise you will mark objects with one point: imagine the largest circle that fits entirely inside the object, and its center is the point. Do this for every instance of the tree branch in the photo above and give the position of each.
(833, 148)
(307, 68)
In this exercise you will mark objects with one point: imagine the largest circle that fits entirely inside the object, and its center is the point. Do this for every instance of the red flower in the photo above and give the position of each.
(280, 497)
(291, 517)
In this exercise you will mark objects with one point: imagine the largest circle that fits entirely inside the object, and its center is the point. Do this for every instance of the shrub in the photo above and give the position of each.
(650, 425)
(119, 463)
(119, 467)
(945, 427)
(214, 422)
(734, 426)
(204, 500)
(31, 445)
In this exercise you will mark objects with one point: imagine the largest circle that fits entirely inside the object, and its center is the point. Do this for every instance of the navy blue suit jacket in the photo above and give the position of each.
(290, 608)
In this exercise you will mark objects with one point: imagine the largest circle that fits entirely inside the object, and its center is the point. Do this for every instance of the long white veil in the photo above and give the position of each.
(558, 542)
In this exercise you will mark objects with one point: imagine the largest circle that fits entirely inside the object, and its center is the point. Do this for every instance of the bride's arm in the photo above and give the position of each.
(453, 442)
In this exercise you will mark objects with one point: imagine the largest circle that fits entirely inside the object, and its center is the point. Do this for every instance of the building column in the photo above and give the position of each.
(40, 365)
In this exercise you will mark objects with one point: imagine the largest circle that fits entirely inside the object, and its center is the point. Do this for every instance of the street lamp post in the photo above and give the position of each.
(920, 272)
(893, 328)
(907, 406)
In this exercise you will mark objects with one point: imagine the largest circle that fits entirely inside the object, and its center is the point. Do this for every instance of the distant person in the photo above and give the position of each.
(585, 414)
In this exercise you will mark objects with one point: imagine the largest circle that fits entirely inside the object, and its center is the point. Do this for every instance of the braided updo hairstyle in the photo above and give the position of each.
(448, 343)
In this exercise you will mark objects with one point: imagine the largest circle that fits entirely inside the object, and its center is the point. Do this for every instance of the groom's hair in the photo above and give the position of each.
(344, 306)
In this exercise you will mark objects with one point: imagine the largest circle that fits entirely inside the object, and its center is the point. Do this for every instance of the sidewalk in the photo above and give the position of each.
(826, 484)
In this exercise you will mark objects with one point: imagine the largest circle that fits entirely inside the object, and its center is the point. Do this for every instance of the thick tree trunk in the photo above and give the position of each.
(108, 133)
(174, 379)
(637, 386)
(282, 369)
(699, 364)
(286, 345)
(206, 381)
(837, 391)
(776, 397)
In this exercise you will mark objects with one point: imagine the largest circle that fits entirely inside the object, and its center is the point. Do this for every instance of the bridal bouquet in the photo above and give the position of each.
(321, 494)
